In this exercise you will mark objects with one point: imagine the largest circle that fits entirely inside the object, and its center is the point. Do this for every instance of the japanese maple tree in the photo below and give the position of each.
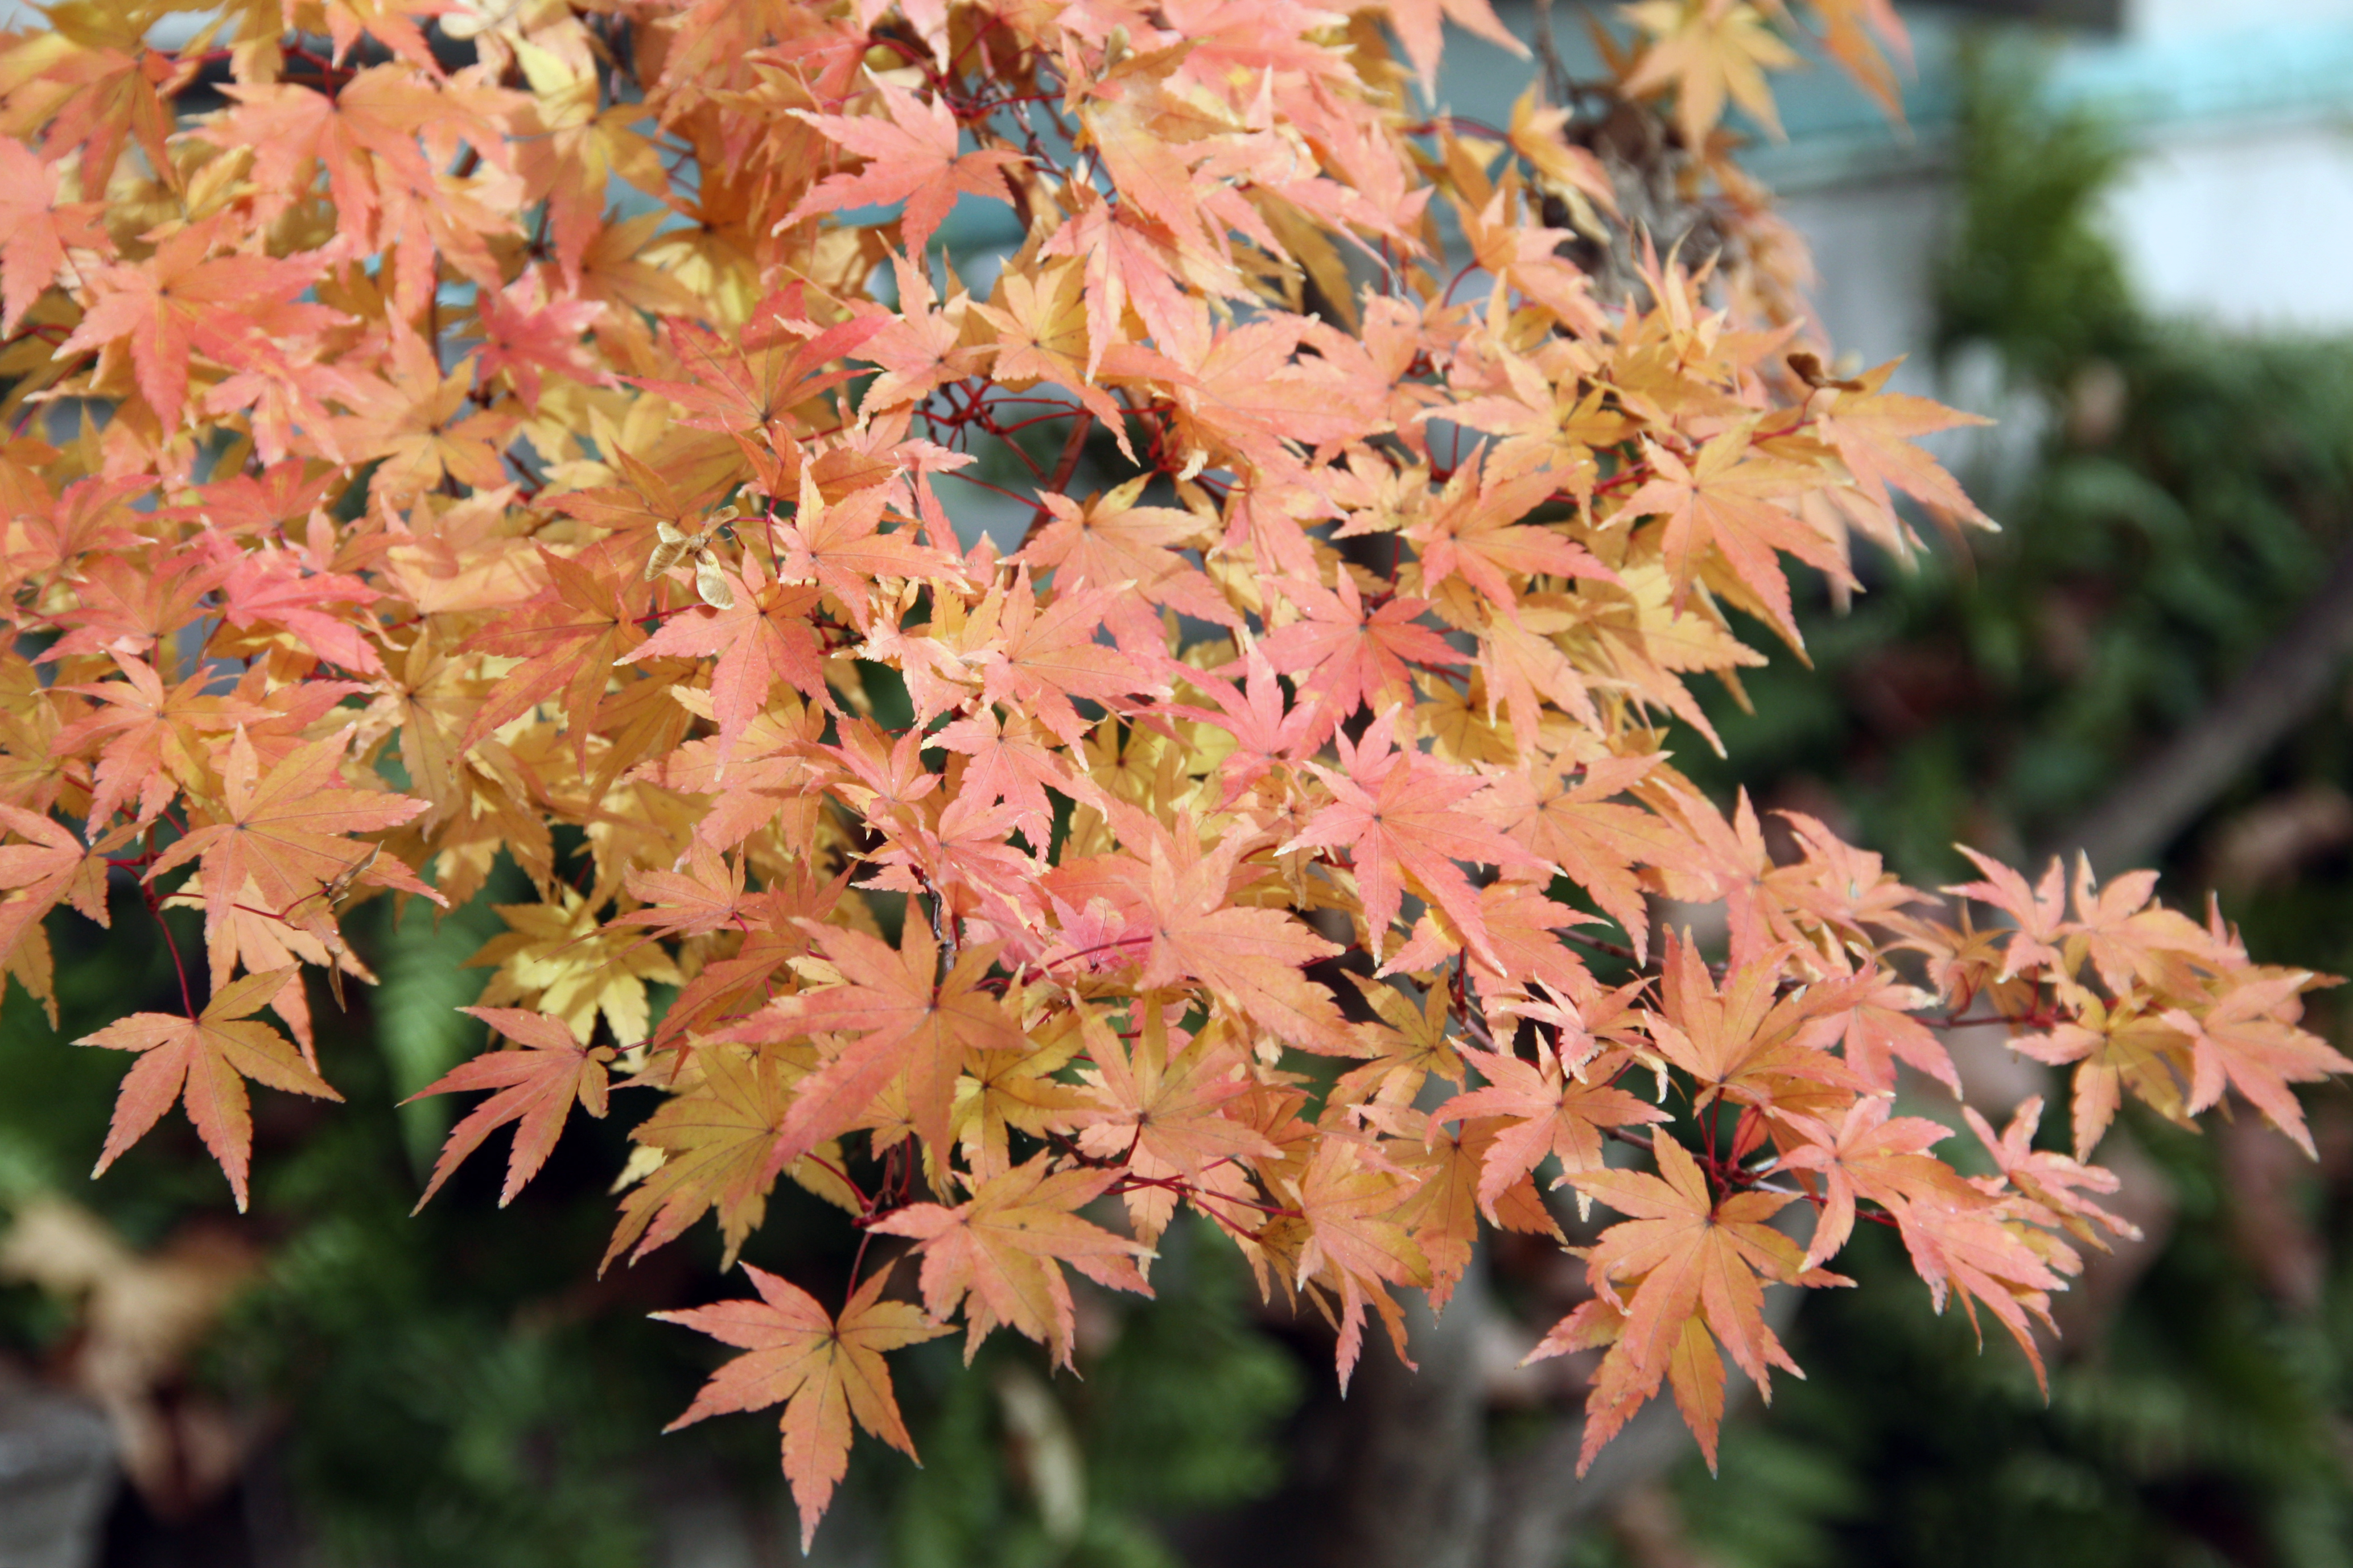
(460, 428)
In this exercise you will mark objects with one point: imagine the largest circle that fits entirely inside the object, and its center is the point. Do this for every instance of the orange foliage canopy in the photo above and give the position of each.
(437, 425)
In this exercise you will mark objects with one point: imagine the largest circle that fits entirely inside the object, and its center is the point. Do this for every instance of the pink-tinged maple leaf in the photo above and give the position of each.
(1473, 529)
(2039, 911)
(1250, 390)
(525, 334)
(707, 896)
(203, 1062)
(2047, 1180)
(382, 138)
(1545, 1112)
(909, 157)
(36, 231)
(1351, 1237)
(1048, 655)
(1111, 543)
(1568, 815)
(1953, 1232)
(1013, 763)
(568, 636)
(153, 749)
(278, 588)
(1881, 1031)
(1253, 956)
(1420, 24)
(1348, 658)
(841, 547)
(2248, 1041)
(1883, 1159)
(124, 605)
(824, 1371)
(1399, 814)
(2127, 937)
(1264, 732)
(1000, 1253)
(921, 347)
(763, 636)
(734, 386)
(1745, 1043)
(1732, 501)
(536, 1086)
(51, 867)
(183, 301)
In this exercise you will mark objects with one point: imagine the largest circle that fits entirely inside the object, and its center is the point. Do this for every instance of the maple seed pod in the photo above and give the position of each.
(711, 585)
(1808, 368)
(669, 545)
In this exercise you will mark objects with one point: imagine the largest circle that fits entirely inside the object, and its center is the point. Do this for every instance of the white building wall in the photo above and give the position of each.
(2236, 208)
(2249, 228)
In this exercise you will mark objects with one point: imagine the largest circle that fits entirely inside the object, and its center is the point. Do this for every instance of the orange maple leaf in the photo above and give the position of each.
(715, 1139)
(1698, 1268)
(1253, 956)
(36, 230)
(1541, 1111)
(762, 636)
(183, 301)
(1871, 430)
(1574, 822)
(286, 832)
(203, 1062)
(1729, 499)
(2247, 1039)
(2127, 937)
(1707, 50)
(909, 157)
(823, 1370)
(1000, 1253)
(1350, 1234)
(907, 1017)
(536, 1087)
(1745, 1043)
(1401, 817)
(569, 637)
(1160, 1116)
(1474, 530)
(1954, 1233)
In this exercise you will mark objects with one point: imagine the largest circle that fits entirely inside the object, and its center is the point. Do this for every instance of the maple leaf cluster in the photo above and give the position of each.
(443, 431)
